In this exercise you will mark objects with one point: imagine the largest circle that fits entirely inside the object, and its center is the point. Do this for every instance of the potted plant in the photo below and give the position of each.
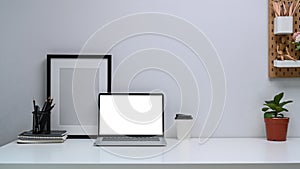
(276, 122)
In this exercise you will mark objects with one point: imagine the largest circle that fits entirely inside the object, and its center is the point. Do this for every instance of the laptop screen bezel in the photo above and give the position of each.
(137, 94)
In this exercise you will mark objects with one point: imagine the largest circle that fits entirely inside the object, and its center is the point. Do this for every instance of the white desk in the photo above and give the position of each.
(215, 153)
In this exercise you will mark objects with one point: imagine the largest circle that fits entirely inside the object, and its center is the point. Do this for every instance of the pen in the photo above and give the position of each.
(47, 105)
(33, 105)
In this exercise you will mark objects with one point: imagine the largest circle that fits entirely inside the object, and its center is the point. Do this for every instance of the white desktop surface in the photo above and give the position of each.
(216, 151)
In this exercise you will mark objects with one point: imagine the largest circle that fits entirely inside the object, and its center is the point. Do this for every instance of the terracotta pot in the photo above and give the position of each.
(276, 128)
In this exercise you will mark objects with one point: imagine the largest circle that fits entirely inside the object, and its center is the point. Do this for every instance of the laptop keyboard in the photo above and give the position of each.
(130, 139)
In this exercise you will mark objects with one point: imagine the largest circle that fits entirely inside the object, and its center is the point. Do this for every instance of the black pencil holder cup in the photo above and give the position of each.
(41, 122)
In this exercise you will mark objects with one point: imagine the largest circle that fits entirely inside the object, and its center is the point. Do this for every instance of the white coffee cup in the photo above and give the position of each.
(183, 126)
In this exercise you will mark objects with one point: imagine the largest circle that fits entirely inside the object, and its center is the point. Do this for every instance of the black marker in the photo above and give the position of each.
(33, 105)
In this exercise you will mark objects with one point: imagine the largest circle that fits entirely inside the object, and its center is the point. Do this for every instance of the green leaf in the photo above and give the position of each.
(279, 109)
(271, 105)
(269, 115)
(283, 109)
(274, 107)
(270, 101)
(265, 109)
(284, 103)
(278, 97)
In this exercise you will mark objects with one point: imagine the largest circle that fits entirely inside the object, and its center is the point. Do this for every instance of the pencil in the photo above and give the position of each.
(44, 106)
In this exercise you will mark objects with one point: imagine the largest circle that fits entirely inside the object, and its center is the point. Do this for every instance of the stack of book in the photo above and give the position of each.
(55, 136)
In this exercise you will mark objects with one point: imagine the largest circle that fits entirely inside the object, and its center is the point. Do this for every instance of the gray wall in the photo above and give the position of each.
(238, 29)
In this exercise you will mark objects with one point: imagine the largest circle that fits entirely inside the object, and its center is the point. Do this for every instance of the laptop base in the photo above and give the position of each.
(99, 142)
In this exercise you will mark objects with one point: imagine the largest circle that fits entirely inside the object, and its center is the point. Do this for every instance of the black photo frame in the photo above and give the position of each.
(74, 81)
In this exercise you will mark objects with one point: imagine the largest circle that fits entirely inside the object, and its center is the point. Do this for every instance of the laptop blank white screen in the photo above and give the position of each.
(131, 114)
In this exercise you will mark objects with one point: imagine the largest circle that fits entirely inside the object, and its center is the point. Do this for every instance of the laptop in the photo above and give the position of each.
(131, 119)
